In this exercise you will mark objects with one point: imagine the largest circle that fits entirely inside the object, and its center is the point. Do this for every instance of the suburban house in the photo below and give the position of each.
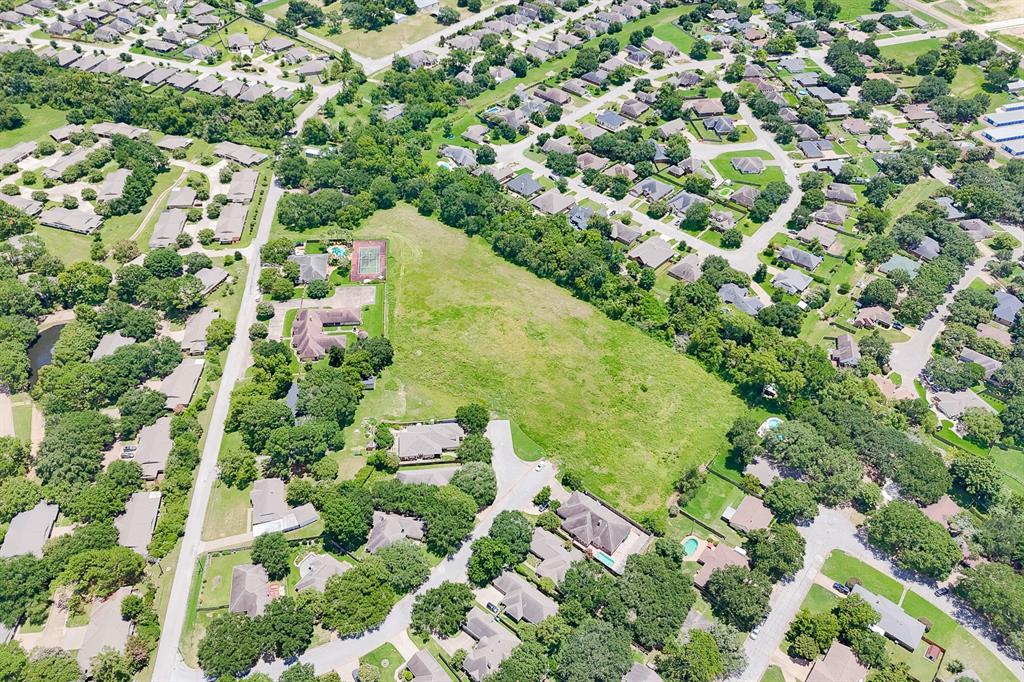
(270, 510)
(424, 668)
(168, 226)
(652, 253)
(135, 526)
(751, 514)
(72, 220)
(792, 281)
(873, 316)
(737, 295)
(250, 590)
(846, 353)
(230, 223)
(106, 629)
(990, 365)
(494, 643)
(748, 164)
(312, 266)
(600, 530)
(390, 528)
(555, 557)
(240, 153)
(897, 624)
(315, 569)
(308, 337)
(1007, 307)
(840, 664)
(243, 186)
(154, 448)
(29, 531)
(953, 405)
(719, 556)
(427, 441)
(687, 269)
(110, 343)
(180, 384)
(194, 340)
(522, 600)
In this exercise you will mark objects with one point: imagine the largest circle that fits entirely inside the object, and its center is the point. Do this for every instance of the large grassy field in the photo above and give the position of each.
(600, 397)
(38, 123)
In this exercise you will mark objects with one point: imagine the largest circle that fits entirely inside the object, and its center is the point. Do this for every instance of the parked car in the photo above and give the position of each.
(492, 608)
(128, 451)
(942, 591)
(841, 588)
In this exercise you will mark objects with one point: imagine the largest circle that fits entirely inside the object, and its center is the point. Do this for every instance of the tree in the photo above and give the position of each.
(442, 610)
(347, 519)
(473, 417)
(163, 263)
(996, 592)
(916, 542)
(791, 500)
(981, 426)
(514, 530)
(488, 558)
(270, 550)
(812, 633)
(777, 552)
(288, 622)
(978, 476)
(359, 599)
(597, 650)
(83, 282)
(697, 660)
(407, 565)
(879, 292)
(477, 480)
(15, 367)
(231, 645)
(99, 572)
(739, 596)
(237, 467)
(112, 666)
(700, 49)
(52, 665)
(139, 407)
(24, 580)
(257, 420)
(878, 91)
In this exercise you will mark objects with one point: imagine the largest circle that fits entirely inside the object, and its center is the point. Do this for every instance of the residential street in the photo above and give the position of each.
(168, 660)
(518, 482)
(831, 530)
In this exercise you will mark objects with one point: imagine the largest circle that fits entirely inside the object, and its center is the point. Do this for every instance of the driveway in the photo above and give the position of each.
(832, 530)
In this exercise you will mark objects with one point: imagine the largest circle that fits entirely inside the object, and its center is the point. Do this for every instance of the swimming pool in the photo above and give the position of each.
(690, 546)
(605, 559)
(770, 424)
(338, 251)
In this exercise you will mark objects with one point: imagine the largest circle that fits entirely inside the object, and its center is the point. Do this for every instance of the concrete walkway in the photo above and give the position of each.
(6, 414)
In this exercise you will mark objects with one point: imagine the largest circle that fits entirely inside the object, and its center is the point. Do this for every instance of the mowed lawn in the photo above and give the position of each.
(38, 123)
(840, 567)
(626, 412)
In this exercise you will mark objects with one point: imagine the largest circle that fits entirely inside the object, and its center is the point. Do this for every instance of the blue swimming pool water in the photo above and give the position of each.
(690, 546)
(338, 251)
(605, 559)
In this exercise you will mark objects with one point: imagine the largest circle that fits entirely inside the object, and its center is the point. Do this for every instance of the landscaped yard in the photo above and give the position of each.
(38, 123)
(1011, 463)
(711, 500)
(216, 589)
(773, 674)
(723, 164)
(385, 658)
(958, 642)
(819, 600)
(840, 567)
(602, 398)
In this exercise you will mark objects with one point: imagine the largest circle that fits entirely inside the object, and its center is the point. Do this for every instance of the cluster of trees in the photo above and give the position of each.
(849, 621)
(145, 162)
(86, 96)
(447, 512)
(505, 546)
(915, 542)
(601, 615)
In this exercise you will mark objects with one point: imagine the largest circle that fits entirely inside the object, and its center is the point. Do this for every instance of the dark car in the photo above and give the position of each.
(942, 591)
(841, 588)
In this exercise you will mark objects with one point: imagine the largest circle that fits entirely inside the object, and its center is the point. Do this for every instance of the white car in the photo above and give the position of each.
(539, 467)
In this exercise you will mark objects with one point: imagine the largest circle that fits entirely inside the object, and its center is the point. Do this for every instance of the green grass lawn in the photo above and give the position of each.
(773, 674)
(22, 415)
(387, 659)
(605, 400)
(908, 52)
(819, 600)
(38, 123)
(711, 500)
(216, 589)
(227, 511)
(958, 642)
(723, 164)
(1011, 463)
(840, 567)
(121, 227)
(910, 196)
(67, 246)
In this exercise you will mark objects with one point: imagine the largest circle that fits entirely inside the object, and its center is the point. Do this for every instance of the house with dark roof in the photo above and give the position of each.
(834, 214)
(897, 624)
(737, 296)
(610, 120)
(424, 668)
(652, 252)
(723, 125)
(926, 249)
(524, 185)
(748, 164)
(838, 191)
(522, 600)
(687, 269)
(553, 202)
(719, 556)
(494, 643)
(846, 353)
(315, 569)
(840, 664)
(250, 590)
(308, 337)
(29, 530)
(270, 510)
(592, 524)
(792, 281)
(745, 195)
(418, 442)
(390, 528)
(1007, 308)
(651, 189)
(791, 254)
(820, 233)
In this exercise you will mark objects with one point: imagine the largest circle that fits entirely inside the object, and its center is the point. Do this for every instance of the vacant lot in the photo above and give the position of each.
(599, 396)
(38, 123)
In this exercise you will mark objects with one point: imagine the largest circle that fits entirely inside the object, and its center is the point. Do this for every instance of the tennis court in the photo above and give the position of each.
(369, 260)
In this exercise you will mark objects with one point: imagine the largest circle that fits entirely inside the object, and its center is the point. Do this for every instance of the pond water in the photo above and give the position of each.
(40, 353)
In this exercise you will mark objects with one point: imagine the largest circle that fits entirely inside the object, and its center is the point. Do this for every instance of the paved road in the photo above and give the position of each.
(169, 665)
(831, 530)
(518, 482)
